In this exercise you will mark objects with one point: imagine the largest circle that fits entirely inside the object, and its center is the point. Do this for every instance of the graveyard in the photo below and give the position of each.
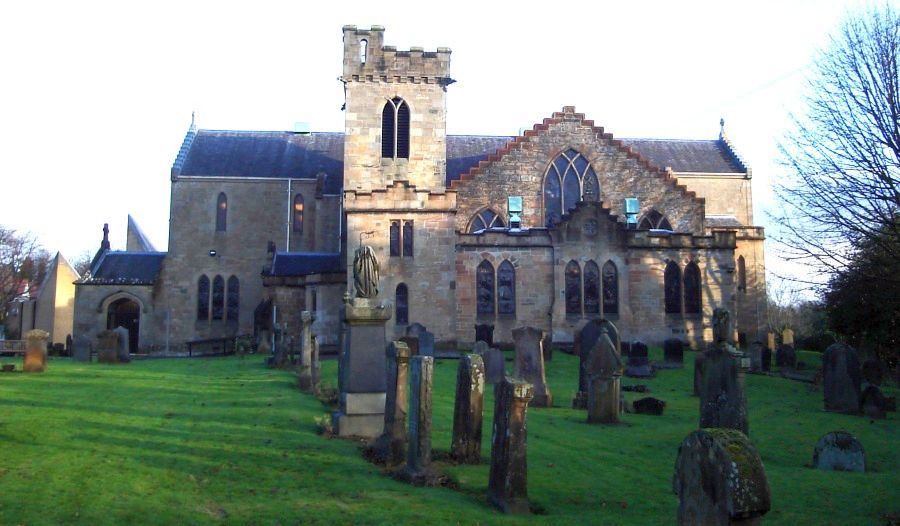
(228, 441)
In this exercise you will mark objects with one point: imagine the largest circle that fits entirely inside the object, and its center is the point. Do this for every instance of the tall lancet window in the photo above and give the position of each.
(395, 129)
(569, 179)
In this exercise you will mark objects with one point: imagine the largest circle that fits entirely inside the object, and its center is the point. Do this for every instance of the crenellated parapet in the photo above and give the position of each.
(366, 58)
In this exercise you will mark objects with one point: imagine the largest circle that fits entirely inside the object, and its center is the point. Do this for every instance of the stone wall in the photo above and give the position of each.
(724, 194)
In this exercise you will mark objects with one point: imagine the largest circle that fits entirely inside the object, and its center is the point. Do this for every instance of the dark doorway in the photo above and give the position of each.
(126, 313)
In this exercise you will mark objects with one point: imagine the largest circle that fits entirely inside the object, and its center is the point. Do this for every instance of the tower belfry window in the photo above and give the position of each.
(395, 129)
(363, 49)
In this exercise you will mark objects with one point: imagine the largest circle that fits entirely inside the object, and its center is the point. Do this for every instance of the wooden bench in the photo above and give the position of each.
(225, 342)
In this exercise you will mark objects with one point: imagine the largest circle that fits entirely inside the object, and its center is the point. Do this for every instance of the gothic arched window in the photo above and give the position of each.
(484, 288)
(672, 287)
(591, 288)
(401, 304)
(742, 274)
(395, 129)
(610, 288)
(569, 179)
(395, 238)
(221, 212)
(573, 288)
(203, 298)
(654, 220)
(218, 297)
(298, 213)
(407, 239)
(692, 289)
(233, 302)
(487, 218)
(506, 288)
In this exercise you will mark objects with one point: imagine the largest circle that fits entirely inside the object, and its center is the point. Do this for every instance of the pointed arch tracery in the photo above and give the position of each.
(568, 180)
(484, 219)
(653, 220)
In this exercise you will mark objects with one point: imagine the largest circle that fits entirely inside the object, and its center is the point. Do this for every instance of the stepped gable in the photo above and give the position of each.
(568, 114)
(230, 153)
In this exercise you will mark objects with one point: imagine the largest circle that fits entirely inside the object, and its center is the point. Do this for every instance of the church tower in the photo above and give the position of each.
(396, 113)
(395, 162)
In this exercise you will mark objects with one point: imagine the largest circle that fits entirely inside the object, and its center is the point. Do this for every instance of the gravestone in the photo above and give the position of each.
(390, 447)
(485, 333)
(122, 354)
(720, 480)
(468, 411)
(547, 347)
(304, 369)
(766, 359)
(278, 358)
(529, 364)
(722, 398)
(35, 358)
(107, 347)
(412, 343)
(585, 339)
(604, 372)
(315, 368)
(418, 454)
(786, 355)
(699, 365)
(425, 339)
(839, 451)
(361, 372)
(81, 349)
(480, 347)
(639, 362)
(508, 479)
(494, 366)
(626, 349)
(756, 357)
(873, 403)
(842, 378)
(649, 406)
(673, 352)
(873, 371)
(770, 342)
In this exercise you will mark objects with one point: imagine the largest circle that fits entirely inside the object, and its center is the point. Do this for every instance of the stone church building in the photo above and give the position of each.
(559, 225)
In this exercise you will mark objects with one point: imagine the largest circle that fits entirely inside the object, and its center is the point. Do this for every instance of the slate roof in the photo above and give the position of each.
(722, 221)
(127, 268)
(286, 264)
(228, 153)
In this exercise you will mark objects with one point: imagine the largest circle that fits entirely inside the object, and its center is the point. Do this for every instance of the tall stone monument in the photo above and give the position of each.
(508, 479)
(361, 374)
(722, 398)
(468, 410)
(530, 363)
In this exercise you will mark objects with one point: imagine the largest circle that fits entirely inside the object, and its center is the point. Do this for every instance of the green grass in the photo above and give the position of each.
(226, 441)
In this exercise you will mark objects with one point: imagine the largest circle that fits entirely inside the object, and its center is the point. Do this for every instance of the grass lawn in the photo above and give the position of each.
(226, 441)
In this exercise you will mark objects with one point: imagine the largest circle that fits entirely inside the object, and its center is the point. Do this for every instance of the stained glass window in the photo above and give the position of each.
(484, 288)
(234, 299)
(654, 220)
(395, 238)
(569, 179)
(742, 274)
(407, 239)
(487, 218)
(203, 298)
(610, 288)
(221, 212)
(591, 288)
(573, 288)
(298, 213)
(506, 288)
(692, 291)
(672, 286)
(218, 298)
(401, 304)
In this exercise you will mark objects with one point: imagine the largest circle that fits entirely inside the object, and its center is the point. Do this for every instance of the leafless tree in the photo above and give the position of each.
(23, 264)
(845, 151)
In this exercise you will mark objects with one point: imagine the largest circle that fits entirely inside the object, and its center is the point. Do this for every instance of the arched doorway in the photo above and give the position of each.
(126, 313)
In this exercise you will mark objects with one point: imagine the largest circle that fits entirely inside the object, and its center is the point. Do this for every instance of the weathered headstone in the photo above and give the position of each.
(361, 372)
(756, 357)
(390, 447)
(494, 366)
(585, 340)
(720, 480)
(468, 411)
(839, 451)
(530, 363)
(722, 399)
(649, 406)
(604, 371)
(873, 402)
(673, 352)
(425, 339)
(770, 342)
(412, 343)
(418, 453)
(35, 359)
(639, 362)
(508, 479)
(841, 378)
(766, 359)
(699, 366)
(304, 368)
(786, 356)
(122, 354)
(485, 333)
(315, 368)
(81, 349)
(547, 347)
(480, 347)
(873, 371)
(107, 347)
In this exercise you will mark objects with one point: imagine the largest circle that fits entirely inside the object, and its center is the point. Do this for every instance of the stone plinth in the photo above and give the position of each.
(842, 378)
(305, 367)
(35, 359)
(465, 446)
(530, 364)
(390, 447)
(362, 369)
(508, 480)
(720, 480)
